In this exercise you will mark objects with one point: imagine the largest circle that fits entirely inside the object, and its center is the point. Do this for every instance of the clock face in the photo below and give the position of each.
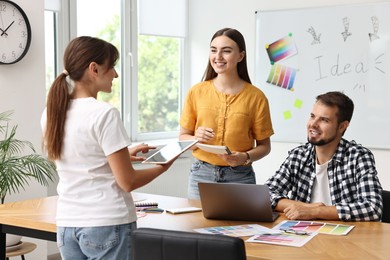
(15, 33)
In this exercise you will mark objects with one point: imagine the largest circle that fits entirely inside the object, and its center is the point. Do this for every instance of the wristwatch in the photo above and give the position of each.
(248, 159)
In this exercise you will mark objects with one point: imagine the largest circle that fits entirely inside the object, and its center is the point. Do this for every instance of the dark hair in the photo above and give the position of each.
(341, 101)
(242, 68)
(78, 55)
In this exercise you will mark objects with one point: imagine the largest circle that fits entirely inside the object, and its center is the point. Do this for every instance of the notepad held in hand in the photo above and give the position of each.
(217, 149)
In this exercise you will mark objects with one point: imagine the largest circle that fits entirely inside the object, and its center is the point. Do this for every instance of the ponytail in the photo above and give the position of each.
(57, 105)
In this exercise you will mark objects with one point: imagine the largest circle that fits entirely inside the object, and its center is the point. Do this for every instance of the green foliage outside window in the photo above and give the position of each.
(158, 80)
(158, 83)
(111, 33)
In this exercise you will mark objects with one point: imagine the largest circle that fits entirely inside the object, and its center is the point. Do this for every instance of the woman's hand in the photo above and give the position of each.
(234, 159)
(204, 134)
(144, 148)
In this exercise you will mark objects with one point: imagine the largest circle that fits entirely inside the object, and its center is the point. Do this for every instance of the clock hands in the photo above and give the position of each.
(6, 34)
(6, 29)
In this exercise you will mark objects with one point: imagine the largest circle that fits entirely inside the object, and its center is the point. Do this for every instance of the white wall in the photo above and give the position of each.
(22, 85)
(22, 89)
(206, 17)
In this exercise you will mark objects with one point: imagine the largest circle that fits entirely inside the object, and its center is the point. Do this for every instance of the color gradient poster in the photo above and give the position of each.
(281, 49)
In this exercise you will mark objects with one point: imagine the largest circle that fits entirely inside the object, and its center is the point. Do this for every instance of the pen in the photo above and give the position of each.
(296, 232)
(269, 234)
(153, 210)
(228, 150)
(210, 131)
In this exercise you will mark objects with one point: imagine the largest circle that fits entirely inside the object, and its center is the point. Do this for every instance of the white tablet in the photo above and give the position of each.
(170, 151)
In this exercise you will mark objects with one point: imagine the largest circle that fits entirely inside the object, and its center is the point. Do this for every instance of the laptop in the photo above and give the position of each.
(234, 201)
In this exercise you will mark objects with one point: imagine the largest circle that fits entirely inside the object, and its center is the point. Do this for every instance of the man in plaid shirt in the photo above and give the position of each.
(328, 177)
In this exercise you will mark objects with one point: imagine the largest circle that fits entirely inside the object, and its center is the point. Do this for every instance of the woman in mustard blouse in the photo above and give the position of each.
(226, 109)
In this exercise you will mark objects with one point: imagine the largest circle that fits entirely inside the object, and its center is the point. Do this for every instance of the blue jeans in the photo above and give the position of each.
(107, 242)
(205, 172)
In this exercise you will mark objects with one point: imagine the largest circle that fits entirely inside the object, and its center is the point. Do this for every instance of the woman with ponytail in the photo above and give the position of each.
(89, 144)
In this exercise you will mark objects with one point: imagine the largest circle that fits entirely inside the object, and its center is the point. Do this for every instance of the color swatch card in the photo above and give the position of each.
(235, 231)
(319, 227)
(282, 238)
(281, 49)
(282, 76)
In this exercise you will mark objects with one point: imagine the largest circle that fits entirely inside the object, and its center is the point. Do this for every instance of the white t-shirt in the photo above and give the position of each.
(321, 191)
(88, 193)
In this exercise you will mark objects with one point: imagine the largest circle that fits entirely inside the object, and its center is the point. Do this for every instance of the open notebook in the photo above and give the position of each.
(233, 201)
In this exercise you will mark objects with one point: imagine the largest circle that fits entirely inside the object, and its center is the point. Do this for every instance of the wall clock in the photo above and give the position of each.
(15, 32)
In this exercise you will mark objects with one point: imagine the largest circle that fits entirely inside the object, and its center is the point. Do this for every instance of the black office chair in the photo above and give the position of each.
(386, 206)
(160, 244)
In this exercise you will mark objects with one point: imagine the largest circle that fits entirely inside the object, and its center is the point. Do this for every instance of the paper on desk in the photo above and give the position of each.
(277, 237)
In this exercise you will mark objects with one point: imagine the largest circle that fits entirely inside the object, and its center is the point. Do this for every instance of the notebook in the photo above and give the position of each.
(233, 201)
(146, 203)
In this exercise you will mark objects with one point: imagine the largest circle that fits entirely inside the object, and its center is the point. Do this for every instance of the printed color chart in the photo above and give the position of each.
(282, 238)
(235, 231)
(281, 49)
(319, 227)
(282, 76)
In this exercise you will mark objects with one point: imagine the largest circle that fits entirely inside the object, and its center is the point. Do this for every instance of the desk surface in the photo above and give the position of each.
(368, 240)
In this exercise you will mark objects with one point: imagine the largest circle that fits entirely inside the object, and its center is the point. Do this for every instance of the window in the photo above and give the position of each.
(103, 22)
(52, 8)
(50, 43)
(148, 90)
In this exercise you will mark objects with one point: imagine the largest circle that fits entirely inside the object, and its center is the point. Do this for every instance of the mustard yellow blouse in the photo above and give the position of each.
(237, 120)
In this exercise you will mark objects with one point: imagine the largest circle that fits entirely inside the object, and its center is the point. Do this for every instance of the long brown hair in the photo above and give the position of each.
(242, 68)
(78, 55)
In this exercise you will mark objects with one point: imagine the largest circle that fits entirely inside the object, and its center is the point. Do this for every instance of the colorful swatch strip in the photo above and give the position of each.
(281, 49)
(235, 231)
(319, 227)
(282, 76)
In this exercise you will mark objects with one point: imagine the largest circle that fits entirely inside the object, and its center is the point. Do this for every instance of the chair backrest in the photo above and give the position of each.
(158, 244)
(386, 206)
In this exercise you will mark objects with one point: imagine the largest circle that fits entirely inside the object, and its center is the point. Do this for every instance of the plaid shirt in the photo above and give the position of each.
(354, 185)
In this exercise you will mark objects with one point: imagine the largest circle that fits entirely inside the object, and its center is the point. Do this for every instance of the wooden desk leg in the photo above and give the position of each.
(2, 244)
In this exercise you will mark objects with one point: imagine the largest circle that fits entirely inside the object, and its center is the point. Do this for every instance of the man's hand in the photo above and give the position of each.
(303, 211)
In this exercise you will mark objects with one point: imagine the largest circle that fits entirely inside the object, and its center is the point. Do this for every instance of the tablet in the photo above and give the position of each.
(170, 151)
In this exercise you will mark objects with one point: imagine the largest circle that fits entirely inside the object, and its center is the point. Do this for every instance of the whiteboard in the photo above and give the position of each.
(302, 53)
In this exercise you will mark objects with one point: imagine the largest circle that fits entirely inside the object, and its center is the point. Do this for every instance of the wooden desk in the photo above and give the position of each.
(368, 240)
(30, 218)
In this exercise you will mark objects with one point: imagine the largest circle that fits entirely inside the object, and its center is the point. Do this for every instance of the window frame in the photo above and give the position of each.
(66, 30)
